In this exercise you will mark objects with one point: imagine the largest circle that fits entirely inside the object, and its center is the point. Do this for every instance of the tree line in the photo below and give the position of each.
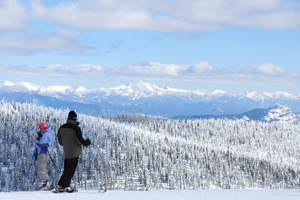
(140, 152)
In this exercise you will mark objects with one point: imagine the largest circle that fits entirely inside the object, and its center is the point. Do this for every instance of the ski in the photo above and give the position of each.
(64, 190)
(57, 191)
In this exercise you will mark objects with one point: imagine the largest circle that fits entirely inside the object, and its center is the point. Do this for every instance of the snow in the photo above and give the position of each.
(270, 95)
(245, 194)
(266, 95)
(80, 91)
(281, 113)
(177, 90)
(7, 83)
(139, 87)
(30, 87)
(22, 86)
(60, 89)
(219, 92)
(142, 87)
(135, 90)
(285, 94)
(252, 95)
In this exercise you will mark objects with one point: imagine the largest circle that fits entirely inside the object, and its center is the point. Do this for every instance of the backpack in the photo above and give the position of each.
(35, 155)
(35, 151)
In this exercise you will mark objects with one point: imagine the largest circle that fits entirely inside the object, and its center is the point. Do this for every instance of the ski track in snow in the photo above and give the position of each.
(243, 194)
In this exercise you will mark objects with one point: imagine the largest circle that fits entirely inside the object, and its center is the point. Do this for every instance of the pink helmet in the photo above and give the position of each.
(42, 126)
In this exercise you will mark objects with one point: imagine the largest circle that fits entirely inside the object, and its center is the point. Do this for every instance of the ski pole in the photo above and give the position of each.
(52, 160)
(92, 162)
(95, 172)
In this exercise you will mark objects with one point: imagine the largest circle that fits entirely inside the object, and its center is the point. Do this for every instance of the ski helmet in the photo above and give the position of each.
(42, 126)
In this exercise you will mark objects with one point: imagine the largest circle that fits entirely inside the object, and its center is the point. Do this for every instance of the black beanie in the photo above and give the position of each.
(72, 115)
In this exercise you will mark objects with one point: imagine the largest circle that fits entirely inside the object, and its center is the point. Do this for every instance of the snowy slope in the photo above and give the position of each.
(278, 113)
(282, 114)
(254, 194)
(141, 152)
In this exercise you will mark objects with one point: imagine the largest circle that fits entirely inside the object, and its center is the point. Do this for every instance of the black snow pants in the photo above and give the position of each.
(70, 166)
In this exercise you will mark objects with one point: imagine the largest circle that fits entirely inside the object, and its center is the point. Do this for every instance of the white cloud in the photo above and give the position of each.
(13, 15)
(71, 33)
(53, 70)
(152, 69)
(201, 69)
(266, 74)
(155, 15)
(188, 37)
(24, 43)
(269, 70)
(178, 15)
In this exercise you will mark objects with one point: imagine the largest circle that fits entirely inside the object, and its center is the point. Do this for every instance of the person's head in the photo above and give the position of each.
(42, 126)
(72, 115)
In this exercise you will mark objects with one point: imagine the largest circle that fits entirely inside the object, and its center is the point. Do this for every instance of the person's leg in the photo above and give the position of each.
(70, 166)
(42, 167)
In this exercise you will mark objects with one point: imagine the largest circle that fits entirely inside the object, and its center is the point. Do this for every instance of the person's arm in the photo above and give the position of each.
(80, 138)
(59, 137)
(42, 142)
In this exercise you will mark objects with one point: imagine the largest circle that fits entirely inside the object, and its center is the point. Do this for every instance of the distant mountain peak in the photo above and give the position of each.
(60, 89)
(20, 87)
(219, 92)
(144, 87)
(7, 83)
(148, 98)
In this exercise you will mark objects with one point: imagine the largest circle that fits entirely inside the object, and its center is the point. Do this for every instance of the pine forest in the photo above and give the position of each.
(140, 152)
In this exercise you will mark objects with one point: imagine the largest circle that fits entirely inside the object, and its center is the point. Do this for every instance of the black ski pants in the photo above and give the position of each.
(70, 166)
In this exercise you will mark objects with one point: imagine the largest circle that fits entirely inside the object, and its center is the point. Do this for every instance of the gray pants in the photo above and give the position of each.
(41, 167)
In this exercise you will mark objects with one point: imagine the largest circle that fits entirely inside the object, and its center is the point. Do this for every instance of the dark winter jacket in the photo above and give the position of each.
(46, 139)
(70, 137)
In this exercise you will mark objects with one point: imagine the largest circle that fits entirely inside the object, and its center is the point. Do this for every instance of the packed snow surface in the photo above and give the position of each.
(250, 194)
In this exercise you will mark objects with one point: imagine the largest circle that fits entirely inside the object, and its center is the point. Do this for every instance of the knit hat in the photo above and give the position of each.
(42, 126)
(72, 115)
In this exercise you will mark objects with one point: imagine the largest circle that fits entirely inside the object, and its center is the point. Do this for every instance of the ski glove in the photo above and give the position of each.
(87, 142)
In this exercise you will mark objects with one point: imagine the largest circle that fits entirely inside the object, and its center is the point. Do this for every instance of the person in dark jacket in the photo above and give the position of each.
(70, 137)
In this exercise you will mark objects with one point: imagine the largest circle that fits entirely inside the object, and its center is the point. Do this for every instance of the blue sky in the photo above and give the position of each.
(232, 45)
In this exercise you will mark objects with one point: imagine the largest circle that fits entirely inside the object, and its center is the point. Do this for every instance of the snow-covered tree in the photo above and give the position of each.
(139, 152)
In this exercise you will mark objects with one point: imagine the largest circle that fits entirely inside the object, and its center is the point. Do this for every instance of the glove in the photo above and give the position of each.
(87, 142)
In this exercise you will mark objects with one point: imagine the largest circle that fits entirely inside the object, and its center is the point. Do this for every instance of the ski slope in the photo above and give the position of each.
(245, 194)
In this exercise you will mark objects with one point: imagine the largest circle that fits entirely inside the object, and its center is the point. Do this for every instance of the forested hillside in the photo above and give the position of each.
(138, 152)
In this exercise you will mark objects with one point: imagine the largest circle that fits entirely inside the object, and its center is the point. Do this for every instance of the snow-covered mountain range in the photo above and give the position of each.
(146, 98)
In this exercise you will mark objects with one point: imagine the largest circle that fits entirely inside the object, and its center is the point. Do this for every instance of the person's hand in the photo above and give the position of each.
(33, 137)
(88, 142)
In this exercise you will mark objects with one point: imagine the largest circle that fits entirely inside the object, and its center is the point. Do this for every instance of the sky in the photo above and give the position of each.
(231, 45)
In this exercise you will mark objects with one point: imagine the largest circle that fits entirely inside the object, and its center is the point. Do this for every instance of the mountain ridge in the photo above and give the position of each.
(277, 113)
(146, 98)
